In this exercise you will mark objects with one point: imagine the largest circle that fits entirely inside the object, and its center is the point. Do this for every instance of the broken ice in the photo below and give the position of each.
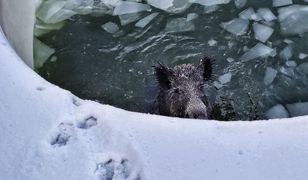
(278, 3)
(266, 14)
(250, 14)
(259, 50)
(262, 32)
(302, 55)
(277, 111)
(173, 6)
(223, 79)
(179, 25)
(111, 27)
(210, 2)
(236, 26)
(127, 7)
(191, 16)
(270, 75)
(286, 53)
(146, 20)
(293, 19)
(240, 3)
(298, 109)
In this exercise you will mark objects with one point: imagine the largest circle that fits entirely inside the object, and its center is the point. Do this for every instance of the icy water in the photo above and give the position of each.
(116, 69)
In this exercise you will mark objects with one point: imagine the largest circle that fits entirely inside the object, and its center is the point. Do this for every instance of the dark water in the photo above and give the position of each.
(117, 69)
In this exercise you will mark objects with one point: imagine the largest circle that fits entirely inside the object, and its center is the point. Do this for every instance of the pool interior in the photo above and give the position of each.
(116, 68)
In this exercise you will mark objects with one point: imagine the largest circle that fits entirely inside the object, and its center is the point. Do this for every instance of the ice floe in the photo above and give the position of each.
(277, 111)
(298, 109)
(266, 14)
(179, 25)
(259, 50)
(270, 75)
(146, 20)
(127, 7)
(225, 78)
(210, 2)
(110, 27)
(240, 3)
(286, 53)
(262, 32)
(278, 3)
(236, 26)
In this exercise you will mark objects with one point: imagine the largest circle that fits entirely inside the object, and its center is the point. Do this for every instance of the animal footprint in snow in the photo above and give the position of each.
(63, 134)
(116, 170)
(87, 123)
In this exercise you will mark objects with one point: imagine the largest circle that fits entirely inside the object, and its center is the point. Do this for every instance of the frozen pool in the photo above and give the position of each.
(260, 48)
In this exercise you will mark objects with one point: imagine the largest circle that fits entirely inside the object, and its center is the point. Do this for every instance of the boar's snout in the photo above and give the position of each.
(196, 109)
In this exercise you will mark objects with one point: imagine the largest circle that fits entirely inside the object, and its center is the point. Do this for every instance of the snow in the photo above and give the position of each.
(225, 78)
(293, 19)
(236, 26)
(127, 7)
(210, 2)
(240, 3)
(277, 111)
(146, 20)
(179, 25)
(110, 27)
(259, 50)
(48, 133)
(262, 32)
(298, 109)
(266, 14)
(278, 3)
(270, 75)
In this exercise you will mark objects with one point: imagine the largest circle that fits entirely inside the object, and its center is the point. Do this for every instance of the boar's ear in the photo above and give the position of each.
(205, 67)
(163, 75)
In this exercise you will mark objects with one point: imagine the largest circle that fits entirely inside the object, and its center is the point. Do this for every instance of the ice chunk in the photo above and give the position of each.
(61, 15)
(259, 50)
(278, 3)
(277, 111)
(217, 84)
(250, 14)
(286, 53)
(291, 63)
(287, 71)
(303, 68)
(191, 16)
(42, 28)
(298, 109)
(110, 27)
(236, 26)
(262, 32)
(210, 2)
(210, 9)
(270, 75)
(223, 79)
(146, 20)
(230, 59)
(179, 25)
(266, 14)
(302, 55)
(293, 19)
(48, 9)
(212, 42)
(127, 7)
(41, 53)
(173, 6)
(129, 18)
(240, 3)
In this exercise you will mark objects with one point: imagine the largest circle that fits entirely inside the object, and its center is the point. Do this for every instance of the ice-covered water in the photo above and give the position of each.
(261, 61)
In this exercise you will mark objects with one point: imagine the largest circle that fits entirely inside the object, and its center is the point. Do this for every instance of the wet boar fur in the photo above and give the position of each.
(181, 91)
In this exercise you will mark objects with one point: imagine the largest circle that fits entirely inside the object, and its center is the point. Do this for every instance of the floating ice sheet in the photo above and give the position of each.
(259, 50)
(48, 9)
(179, 25)
(302, 55)
(293, 19)
(250, 14)
(41, 52)
(191, 16)
(303, 68)
(129, 18)
(210, 9)
(286, 53)
(240, 3)
(223, 79)
(278, 3)
(111, 27)
(127, 7)
(146, 20)
(262, 32)
(277, 111)
(266, 14)
(173, 6)
(298, 109)
(236, 26)
(210, 2)
(270, 75)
